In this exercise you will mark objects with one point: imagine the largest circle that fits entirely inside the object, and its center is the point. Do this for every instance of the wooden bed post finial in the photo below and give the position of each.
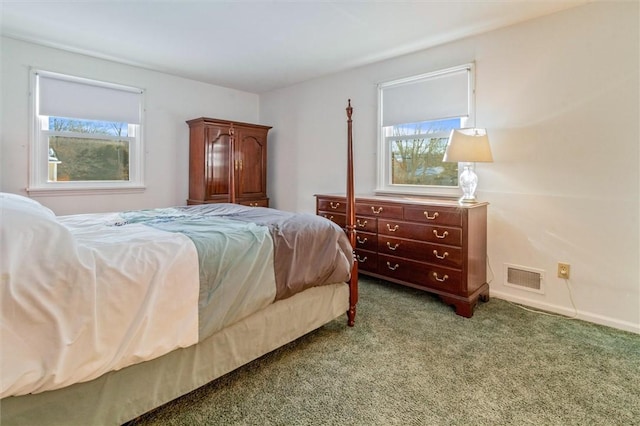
(351, 220)
(232, 181)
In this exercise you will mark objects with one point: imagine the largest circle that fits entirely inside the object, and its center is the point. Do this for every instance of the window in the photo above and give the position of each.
(417, 115)
(87, 135)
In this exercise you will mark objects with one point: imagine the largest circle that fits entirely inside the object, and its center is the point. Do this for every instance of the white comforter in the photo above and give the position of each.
(75, 305)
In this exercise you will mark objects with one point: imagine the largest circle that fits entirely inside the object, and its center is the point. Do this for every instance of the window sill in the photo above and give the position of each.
(431, 192)
(85, 190)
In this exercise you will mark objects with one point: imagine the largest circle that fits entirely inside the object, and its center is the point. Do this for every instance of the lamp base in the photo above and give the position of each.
(468, 183)
(467, 200)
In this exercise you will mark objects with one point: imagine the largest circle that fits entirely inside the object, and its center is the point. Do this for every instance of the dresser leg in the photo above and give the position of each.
(465, 307)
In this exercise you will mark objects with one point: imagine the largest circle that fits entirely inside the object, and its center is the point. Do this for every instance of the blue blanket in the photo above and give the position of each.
(239, 246)
(235, 263)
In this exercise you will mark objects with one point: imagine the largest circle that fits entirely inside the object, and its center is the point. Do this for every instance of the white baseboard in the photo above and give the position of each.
(585, 316)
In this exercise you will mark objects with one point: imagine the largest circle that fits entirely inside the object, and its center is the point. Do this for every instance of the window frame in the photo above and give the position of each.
(384, 172)
(39, 183)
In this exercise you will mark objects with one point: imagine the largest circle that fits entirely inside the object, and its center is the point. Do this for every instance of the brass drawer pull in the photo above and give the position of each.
(393, 268)
(361, 224)
(373, 209)
(444, 234)
(328, 217)
(435, 215)
(395, 228)
(361, 260)
(334, 205)
(444, 278)
(361, 241)
(394, 247)
(253, 204)
(446, 253)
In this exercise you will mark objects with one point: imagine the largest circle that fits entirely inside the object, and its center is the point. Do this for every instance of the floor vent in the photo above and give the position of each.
(524, 278)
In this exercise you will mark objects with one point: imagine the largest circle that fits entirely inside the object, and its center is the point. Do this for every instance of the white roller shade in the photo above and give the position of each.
(433, 96)
(86, 99)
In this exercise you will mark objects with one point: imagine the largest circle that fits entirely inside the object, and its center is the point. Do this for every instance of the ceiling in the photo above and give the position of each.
(258, 46)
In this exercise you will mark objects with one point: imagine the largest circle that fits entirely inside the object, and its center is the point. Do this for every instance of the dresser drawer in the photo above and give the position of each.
(445, 255)
(367, 224)
(418, 231)
(418, 273)
(366, 241)
(379, 210)
(332, 205)
(337, 218)
(424, 252)
(434, 215)
(367, 260)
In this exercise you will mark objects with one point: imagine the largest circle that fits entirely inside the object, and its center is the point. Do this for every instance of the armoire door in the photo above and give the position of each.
(217, 168)
(251, 163)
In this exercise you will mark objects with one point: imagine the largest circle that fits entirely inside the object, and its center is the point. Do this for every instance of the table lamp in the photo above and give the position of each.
(468, 146)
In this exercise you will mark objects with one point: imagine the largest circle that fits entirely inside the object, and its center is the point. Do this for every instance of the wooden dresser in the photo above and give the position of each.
(432, 244)
(222, 173)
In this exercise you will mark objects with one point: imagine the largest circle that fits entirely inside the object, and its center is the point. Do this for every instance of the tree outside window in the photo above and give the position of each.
(416, 152)
(87, 150)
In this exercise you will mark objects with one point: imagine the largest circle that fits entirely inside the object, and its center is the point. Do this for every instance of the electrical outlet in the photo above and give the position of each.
(564, 270)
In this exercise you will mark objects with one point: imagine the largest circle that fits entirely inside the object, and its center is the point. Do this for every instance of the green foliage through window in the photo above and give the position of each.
(83, 159)
(87, 150)
(416, 151)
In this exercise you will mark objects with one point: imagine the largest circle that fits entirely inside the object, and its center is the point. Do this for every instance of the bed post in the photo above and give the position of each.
(351, 220)
(232, 166)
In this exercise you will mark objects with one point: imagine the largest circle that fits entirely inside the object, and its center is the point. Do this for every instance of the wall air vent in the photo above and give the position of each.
(524, 278)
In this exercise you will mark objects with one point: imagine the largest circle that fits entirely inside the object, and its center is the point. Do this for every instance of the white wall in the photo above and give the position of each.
(169, 102)
(560, 98)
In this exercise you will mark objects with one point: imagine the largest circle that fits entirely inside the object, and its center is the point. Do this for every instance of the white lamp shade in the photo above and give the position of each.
(468, 146)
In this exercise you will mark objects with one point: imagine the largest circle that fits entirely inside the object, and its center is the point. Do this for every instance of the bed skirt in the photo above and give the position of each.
(120, 396)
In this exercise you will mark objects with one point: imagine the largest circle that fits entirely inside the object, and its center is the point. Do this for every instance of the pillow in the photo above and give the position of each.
(30, 236)
(18, 203)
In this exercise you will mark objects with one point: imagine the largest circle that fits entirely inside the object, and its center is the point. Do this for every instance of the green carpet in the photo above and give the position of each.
(411, 361)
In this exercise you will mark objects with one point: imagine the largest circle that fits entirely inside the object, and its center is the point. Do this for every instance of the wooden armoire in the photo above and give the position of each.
(227, 162)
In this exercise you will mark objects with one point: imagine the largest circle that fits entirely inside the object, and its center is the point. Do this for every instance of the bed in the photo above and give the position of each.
(170, 299)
